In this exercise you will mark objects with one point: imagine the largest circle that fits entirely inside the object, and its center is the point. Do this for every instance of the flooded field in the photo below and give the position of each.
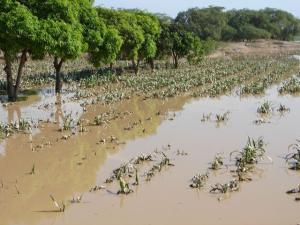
(60, 171)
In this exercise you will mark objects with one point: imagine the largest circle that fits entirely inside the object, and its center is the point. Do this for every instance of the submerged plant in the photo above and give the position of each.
(165, 161)
(206, 117)
(32, 170)
(217, 162)
(294, 190)
(67, 122)
(124, 187)
(293, 159)
(283, 108)
(61, 207)
(222, 117)
(265, 108)
(199, 180)
(99, 120)
(225, 188)
(76, 199)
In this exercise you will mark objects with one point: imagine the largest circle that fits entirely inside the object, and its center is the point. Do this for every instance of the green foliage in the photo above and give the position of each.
(215, 23)
(126, 24)
(205, 23)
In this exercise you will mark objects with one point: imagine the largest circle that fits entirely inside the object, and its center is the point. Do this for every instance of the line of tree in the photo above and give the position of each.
(67, 29)
(244, 24)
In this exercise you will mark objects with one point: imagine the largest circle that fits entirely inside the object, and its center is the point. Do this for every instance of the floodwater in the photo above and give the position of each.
(66, 168)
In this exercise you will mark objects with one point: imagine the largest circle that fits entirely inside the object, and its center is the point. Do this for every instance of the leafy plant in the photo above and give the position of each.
(253, 151)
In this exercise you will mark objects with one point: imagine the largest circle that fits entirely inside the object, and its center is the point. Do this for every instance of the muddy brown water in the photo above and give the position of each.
(69, 168)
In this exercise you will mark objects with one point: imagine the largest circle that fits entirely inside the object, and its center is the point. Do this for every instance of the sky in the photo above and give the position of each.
(172, 7)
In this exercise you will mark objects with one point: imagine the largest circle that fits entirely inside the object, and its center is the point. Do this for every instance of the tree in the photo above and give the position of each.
(126, 24)
(176, 41)
(19, 33)
(266, 23)
(205, 23)
(151, 30)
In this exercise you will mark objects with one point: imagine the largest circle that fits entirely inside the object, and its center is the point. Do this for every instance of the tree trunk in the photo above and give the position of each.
(111, 65)
(135, 67)
(175, 60)
(151, 62)
(20, 71)
(9, 79)
(58, 82)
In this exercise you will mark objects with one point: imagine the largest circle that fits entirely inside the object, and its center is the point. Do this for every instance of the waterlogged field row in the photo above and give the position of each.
(213, 77)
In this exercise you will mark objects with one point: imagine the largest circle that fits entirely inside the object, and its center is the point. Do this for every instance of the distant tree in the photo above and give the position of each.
(205, 23)
(266, 23)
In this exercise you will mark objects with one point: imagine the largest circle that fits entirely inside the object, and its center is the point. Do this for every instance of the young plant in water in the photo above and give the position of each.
(199, 180)
(283, 109)
(124, 187)
(76, 199)
(265, 108)
(222, 117)
(32, 172)
(61, 208)
(217, 162)
(294, 190)
(136, 182)
(293, 159)
(252, 152)
(225, 188)
(67, 122)
(206, 117)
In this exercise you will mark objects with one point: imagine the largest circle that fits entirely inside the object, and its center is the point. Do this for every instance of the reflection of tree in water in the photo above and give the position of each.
(13, 113)
(58, 112)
